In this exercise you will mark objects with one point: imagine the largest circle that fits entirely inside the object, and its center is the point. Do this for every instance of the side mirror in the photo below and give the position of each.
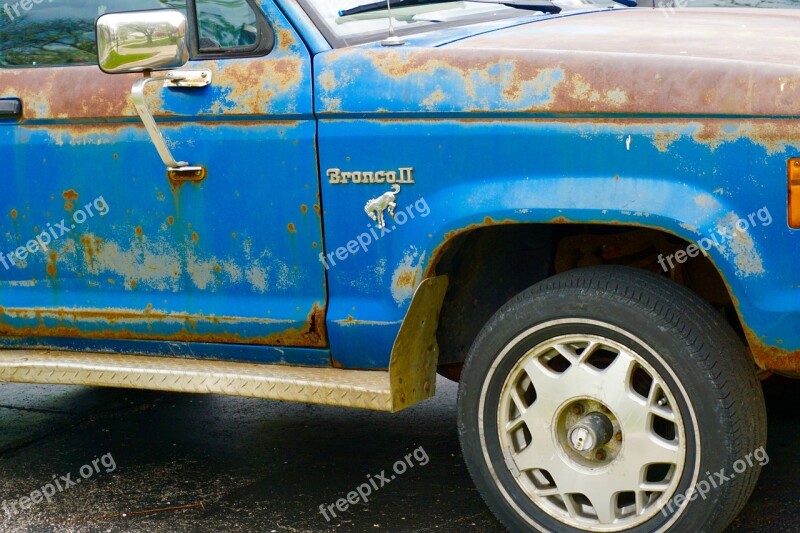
(142, 41)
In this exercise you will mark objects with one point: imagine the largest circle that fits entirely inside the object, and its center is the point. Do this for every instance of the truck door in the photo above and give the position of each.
(100, 250)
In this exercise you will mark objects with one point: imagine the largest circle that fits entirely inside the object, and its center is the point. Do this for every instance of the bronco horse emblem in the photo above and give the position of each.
(377, 206)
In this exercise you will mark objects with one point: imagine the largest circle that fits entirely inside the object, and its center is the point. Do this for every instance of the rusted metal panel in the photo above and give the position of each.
(693, 178)
(583, 64)
(770, 354)
(180, 262)
(150, 324)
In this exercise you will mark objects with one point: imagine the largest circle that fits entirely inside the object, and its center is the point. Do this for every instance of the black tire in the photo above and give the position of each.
(685, 347)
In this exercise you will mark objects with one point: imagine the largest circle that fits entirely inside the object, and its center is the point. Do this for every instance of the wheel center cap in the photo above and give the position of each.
(592, 431)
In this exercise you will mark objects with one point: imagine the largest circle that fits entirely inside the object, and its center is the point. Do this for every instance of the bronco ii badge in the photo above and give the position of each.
(403, 176)
(377, 206)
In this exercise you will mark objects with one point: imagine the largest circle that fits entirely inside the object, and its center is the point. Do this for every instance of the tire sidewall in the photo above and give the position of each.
(663, 350)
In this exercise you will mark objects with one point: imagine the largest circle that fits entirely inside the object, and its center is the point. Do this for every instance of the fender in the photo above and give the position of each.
(667, 175)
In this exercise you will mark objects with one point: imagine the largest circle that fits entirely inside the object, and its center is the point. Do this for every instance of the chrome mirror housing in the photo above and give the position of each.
(142, 41)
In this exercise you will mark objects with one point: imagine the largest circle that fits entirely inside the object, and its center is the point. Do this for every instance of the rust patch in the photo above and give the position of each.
(515, 75)
(195, 236)
(85, 134)
(14, 214)
(407, 274)
(312, 335)
(774, 136)
(350, 321)
(51, 270)
(662, 140)
(304, 209)
(291, 228)
(327, 81)
(771, 357)
(433, 99)
(91, 248)
(69, 196)
(139, 232)
(288, 71)
(79, 92)
(253, 85)
(284, 38)
(170, 220)
(404, 280)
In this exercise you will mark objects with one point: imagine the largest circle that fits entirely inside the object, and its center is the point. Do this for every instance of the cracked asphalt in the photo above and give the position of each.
(216, 463)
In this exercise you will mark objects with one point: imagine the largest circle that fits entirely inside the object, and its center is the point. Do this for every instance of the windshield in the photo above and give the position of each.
(373, 25)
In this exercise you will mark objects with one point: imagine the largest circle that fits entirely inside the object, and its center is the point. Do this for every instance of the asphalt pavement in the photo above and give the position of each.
(89, 459)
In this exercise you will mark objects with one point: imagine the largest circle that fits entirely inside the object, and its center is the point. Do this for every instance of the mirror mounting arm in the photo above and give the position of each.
(175, 78)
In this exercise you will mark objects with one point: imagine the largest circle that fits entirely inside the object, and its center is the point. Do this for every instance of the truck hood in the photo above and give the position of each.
(763, 36)
(706, 62)
(698, 61)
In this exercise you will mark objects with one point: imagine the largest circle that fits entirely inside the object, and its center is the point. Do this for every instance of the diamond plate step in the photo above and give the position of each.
(329, 386)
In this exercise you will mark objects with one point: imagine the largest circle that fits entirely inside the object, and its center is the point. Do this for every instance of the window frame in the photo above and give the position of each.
(263, 47)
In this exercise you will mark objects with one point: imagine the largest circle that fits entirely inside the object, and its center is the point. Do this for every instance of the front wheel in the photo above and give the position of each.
(610, 399)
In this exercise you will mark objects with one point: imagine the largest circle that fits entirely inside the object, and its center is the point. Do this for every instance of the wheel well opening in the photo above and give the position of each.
(490, 265)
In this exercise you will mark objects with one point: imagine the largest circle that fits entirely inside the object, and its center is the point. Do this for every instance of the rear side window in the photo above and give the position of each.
(62, 32)
(226, 25)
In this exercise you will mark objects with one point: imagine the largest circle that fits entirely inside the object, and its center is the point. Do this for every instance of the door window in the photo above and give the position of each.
(62, 32)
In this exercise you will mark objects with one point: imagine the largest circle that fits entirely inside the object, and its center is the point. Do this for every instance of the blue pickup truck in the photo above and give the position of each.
(585, 214)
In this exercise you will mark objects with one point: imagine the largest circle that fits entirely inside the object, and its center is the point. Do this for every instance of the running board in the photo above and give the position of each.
(365, 389)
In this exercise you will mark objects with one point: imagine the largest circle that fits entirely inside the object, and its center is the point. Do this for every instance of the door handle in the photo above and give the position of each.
(10, 107)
